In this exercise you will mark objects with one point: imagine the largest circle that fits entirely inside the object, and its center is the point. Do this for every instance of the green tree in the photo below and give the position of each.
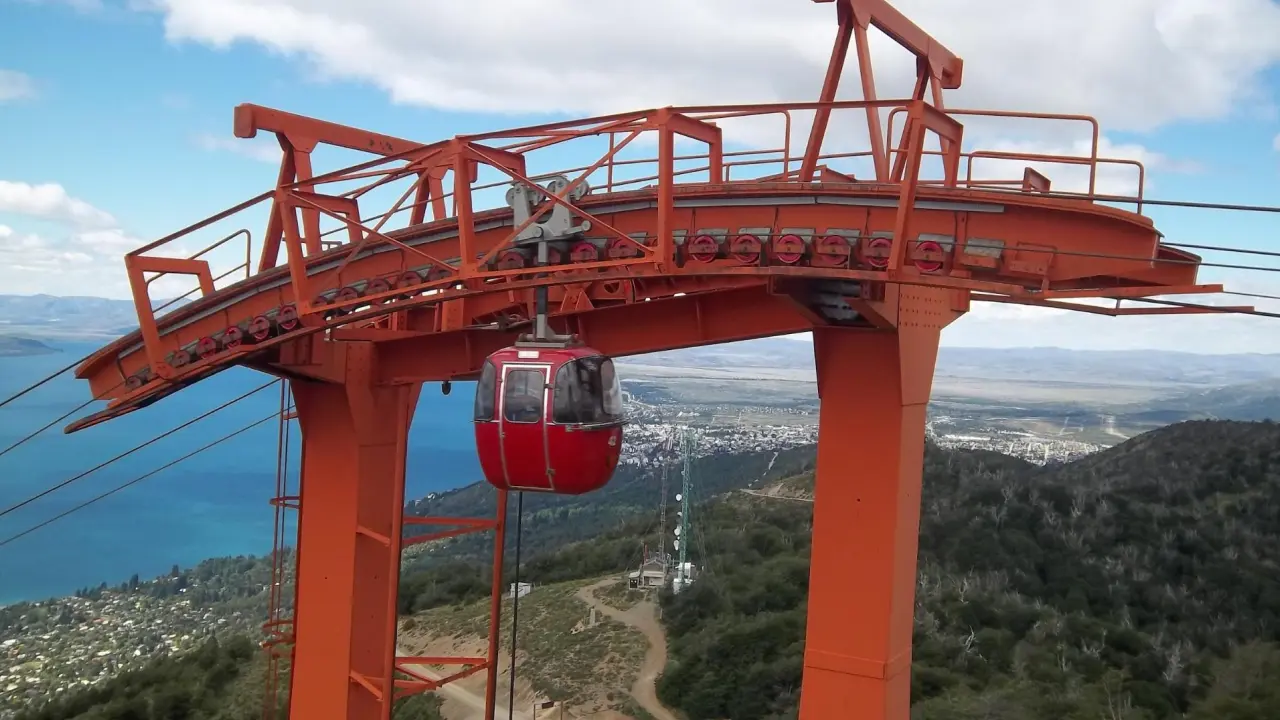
(1246, 686)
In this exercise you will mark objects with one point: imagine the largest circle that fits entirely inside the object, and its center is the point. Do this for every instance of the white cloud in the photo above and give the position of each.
(1276, 143)
(74, 263)
(261, 149)
(1137, 64)
(77, 5)
(1001, 325)
(1111, 178)
(81, 252)
(15, 85)
(64, 263)
(50, 201)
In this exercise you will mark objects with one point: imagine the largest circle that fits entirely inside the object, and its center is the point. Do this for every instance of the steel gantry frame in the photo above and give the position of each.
(646, 254)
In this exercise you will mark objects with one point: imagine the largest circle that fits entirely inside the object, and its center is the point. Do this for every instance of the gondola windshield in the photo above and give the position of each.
(523, 390)
(587, 392)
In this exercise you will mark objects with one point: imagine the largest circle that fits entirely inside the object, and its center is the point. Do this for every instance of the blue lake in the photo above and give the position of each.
(210, 505)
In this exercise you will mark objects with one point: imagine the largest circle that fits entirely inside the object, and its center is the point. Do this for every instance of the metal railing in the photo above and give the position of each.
(246, 266)
(426, 166)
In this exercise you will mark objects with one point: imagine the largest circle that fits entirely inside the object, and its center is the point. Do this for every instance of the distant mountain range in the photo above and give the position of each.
(1154, 367)
(19, 346)
(94, 318)
(1258, 400)
(66, 318)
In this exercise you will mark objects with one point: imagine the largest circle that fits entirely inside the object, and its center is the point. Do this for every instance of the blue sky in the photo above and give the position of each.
(124, 119)
(121, 109)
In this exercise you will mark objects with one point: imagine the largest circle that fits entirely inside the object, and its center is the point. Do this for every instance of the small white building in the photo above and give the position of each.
(652, 574)
(524, 589)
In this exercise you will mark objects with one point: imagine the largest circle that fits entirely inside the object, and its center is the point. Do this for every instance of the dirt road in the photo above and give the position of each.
(775, 496)
(643, 618)
(473, 701)
(1109, 426)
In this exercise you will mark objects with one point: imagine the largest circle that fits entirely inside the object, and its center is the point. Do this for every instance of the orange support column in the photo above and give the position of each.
(353, 453)
(874, 387)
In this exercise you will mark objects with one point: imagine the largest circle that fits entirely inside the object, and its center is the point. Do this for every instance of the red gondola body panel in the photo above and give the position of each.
(548, 419)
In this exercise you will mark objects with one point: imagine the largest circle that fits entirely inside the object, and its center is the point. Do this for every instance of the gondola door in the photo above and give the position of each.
(523, 429)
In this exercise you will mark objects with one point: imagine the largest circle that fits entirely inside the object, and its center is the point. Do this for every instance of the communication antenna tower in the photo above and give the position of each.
(683, 576)
(666, 446)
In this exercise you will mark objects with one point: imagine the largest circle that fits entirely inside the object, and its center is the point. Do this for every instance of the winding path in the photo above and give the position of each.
(474, 701)
(1109, 426)
(775, 495)
(643, 618)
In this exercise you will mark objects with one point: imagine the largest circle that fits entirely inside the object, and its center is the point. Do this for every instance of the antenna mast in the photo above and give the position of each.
(682, 532)
(664, 457)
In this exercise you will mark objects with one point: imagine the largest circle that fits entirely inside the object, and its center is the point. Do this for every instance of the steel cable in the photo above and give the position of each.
(136, 480)
(60, 418)
(136, 448)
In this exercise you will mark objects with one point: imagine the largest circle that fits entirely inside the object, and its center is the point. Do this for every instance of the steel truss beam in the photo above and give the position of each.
(358, 316)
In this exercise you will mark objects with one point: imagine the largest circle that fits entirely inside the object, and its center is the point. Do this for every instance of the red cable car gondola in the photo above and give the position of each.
(548, 418)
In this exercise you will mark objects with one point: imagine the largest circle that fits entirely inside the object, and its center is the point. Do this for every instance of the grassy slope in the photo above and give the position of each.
(1142, 572)
(562, 656)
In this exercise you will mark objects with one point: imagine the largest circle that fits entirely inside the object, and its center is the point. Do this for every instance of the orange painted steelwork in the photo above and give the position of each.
(747, 244)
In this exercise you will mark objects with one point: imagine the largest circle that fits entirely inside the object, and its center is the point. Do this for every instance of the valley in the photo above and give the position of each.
(1044, 592)
(754, 411)
(1040, 404)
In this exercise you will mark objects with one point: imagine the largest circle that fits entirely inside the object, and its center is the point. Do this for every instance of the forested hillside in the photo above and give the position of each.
(552, 521)
(1138, 584)
(219, 681)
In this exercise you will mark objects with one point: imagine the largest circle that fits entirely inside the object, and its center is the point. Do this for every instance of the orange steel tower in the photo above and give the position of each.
(370, 305)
